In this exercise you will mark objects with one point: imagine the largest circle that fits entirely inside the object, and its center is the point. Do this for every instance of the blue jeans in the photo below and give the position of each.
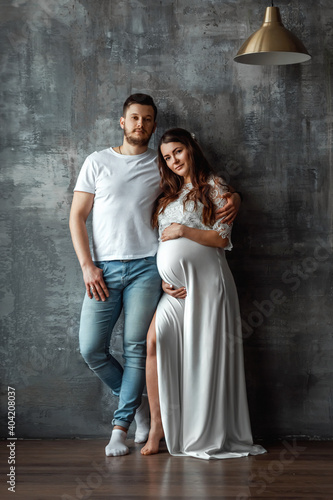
(135, 286)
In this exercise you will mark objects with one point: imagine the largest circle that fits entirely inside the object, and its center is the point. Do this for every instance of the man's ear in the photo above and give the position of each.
(122, 122)
(154, 128)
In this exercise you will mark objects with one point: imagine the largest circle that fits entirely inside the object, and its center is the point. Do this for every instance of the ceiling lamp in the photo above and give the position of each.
(272, 44)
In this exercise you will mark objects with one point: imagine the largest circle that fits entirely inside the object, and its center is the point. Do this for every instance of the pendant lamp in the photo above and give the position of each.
(272, 44)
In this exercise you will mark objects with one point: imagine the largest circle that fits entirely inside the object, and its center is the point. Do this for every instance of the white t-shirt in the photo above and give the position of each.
(125, 188)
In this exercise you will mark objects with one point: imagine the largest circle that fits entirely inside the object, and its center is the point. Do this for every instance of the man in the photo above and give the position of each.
(121, 184)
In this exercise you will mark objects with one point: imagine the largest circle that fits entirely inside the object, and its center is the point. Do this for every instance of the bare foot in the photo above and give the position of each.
(153, 444)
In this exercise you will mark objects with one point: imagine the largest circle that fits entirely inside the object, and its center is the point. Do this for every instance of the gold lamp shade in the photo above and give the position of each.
(272, 44)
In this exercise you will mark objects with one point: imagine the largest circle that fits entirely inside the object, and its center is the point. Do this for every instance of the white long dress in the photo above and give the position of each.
(199, 343)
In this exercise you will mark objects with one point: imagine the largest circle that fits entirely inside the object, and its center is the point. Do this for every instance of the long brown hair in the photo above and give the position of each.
(172, 184)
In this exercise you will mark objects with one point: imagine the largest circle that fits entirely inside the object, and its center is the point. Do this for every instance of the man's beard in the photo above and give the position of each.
(137, 141)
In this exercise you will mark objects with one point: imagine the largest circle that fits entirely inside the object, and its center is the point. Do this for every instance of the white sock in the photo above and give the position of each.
(117, 446)
(142, 421)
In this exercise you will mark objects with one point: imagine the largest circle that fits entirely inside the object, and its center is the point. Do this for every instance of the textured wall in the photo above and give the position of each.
(67, 66)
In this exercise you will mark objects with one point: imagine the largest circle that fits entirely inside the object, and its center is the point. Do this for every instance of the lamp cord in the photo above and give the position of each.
(272, 4)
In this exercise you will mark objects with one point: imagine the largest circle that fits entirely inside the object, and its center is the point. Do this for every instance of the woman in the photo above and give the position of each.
(195, 374)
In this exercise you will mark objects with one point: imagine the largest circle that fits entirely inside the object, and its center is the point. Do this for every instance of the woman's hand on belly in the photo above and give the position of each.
(207, 237)
(178, 293)
(172, 232)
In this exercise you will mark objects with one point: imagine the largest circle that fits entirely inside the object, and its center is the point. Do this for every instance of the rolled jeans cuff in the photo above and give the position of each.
(121, 423)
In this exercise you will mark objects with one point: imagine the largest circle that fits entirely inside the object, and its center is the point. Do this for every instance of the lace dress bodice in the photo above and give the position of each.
(191, 216)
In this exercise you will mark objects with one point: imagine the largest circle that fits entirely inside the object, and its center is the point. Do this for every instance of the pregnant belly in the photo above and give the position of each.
(177, 259)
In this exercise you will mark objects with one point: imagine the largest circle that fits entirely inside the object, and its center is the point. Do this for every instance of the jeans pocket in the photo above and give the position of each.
(151, 259)
(101, 264)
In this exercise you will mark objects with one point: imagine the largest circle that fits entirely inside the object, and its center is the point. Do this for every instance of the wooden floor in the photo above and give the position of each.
(78, 469)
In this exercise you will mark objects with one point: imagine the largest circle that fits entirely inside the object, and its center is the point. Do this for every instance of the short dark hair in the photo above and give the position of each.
(143, 99)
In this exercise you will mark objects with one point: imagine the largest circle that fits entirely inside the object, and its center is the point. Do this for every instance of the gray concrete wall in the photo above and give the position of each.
(67, 66)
